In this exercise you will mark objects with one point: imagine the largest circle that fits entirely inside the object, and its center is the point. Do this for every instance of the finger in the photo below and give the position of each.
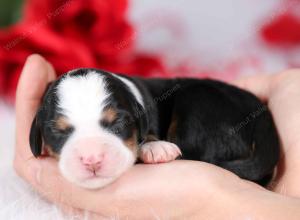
(51, 72)
(72, 212)
(259, 85)
(47, 180)
(33, 81)
(80, 214)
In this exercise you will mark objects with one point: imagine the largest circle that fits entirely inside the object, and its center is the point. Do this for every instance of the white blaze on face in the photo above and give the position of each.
(92, 156)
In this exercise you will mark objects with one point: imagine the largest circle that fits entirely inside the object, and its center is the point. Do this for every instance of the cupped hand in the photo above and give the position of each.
(181, 189)
(176, 190)
(282, 94)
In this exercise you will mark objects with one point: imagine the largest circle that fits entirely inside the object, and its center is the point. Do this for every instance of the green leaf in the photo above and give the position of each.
(10, 12)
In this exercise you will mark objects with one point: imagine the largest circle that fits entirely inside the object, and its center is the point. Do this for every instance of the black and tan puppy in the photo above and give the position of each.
(99, 124)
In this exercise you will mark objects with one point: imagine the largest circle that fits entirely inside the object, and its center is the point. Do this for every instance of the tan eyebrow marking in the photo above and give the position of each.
(131, 143)
(62, 123)
(109, 114)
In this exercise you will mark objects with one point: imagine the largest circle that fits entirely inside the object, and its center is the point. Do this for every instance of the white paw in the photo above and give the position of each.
(159, 152)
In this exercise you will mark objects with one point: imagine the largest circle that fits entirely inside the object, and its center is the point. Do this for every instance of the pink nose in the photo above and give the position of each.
(92, 163)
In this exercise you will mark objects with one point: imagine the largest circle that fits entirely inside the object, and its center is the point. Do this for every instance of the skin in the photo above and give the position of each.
(175, 190)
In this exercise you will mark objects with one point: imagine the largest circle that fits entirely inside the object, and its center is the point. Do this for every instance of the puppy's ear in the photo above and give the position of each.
(35, 137)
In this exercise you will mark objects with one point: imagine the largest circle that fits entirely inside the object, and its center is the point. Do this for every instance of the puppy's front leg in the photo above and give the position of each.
(156, 151)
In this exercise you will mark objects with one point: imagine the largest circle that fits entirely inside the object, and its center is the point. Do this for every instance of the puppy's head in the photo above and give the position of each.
(91, 122)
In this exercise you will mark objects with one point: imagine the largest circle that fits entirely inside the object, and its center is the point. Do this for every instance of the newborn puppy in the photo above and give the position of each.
(99, 124)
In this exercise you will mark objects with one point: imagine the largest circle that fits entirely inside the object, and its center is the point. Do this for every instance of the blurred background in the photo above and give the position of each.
(151, 38)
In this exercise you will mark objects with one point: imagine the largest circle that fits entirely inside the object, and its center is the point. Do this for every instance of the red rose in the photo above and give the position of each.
(72, 34)
(100, 24)
(284, 30)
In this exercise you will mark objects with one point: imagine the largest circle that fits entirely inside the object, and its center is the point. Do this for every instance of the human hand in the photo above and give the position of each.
(176, 190)
(282, 94)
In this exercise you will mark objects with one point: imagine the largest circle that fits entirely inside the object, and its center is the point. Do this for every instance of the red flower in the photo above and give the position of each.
(284, 30)
(72, 34)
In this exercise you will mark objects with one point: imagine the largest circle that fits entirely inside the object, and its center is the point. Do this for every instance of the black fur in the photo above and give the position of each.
(35, 138)
(214, 122)
(219, 124)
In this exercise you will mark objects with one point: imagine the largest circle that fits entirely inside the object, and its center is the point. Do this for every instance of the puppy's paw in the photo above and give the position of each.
(159, 152)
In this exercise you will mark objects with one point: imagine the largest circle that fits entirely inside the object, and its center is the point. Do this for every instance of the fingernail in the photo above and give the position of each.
(33, 56)
(31, 60)
(51, 72)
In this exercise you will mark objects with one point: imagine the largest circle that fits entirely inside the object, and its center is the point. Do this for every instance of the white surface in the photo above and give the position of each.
(17, 200)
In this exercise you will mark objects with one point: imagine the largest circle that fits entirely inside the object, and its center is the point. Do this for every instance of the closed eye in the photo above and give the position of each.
(121, 125)
(60, 126)
(106, 123)
(66, 131)
(61, 132)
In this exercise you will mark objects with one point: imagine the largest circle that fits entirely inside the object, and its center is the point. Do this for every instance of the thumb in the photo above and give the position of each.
(32, 84)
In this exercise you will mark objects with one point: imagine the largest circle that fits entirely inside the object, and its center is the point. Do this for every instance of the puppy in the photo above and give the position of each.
(99, 124)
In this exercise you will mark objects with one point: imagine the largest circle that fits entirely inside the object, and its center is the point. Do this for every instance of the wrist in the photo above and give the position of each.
(240, 201)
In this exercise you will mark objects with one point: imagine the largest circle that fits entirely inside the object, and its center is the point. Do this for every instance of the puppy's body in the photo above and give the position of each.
(108, 121)
(217, 123)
